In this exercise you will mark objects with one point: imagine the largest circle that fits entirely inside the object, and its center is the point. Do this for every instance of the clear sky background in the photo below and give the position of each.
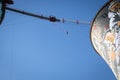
(35, 49)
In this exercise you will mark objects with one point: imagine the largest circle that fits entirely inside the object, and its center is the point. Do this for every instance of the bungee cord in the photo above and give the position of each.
(49, 18)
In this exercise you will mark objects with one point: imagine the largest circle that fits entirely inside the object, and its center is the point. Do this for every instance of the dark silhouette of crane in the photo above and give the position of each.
(49, 18)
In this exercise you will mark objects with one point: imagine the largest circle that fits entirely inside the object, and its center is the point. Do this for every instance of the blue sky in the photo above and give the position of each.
(35, 49)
